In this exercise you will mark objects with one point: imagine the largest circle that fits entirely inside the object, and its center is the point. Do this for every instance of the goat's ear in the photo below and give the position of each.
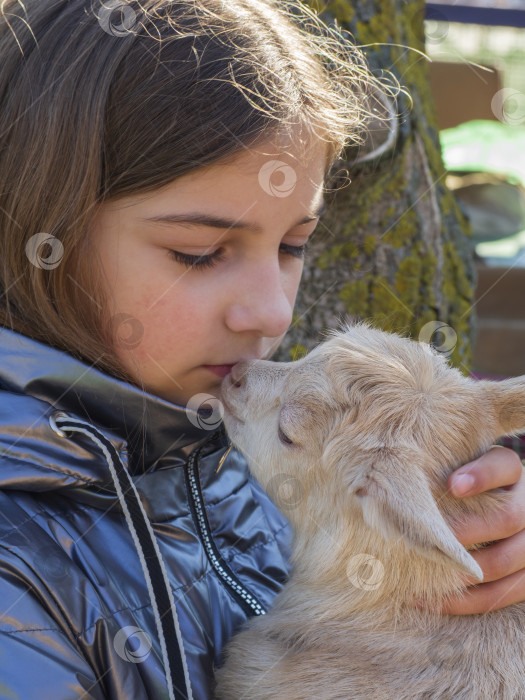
(396, 500)
(508, 401)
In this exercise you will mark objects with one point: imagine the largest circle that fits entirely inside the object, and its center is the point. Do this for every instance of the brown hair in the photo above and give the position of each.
(109, 98)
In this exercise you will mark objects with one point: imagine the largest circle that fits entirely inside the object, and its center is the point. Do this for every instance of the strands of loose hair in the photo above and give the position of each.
(98, 103)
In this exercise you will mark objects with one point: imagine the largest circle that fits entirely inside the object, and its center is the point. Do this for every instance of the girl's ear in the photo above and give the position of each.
(396, 501)
(508, 400)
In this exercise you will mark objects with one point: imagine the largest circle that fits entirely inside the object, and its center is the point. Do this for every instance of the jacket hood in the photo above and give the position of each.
(37, 381)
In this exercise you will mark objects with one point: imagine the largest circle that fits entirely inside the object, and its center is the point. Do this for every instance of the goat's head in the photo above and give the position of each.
(368, 427)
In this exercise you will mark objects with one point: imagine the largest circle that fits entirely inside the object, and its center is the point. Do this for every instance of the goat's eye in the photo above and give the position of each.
(284, 438)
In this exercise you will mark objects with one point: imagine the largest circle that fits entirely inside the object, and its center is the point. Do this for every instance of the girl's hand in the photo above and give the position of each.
(502, 563)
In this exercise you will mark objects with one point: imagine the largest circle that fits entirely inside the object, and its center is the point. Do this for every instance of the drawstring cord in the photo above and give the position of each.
(224, 457)
(155, 574)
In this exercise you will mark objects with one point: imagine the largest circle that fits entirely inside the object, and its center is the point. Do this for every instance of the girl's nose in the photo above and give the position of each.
(261, 303)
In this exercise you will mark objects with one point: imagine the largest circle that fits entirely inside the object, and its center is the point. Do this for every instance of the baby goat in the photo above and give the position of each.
(362, 434)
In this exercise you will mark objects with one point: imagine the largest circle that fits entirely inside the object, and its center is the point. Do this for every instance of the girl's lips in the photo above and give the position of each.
(220, 370)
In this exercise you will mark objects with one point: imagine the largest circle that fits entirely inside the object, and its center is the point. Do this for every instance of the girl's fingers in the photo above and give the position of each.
(488, 596)
(499, 466)
(502, 558)
(502, 563)
(495, 525)
(503, 566)
(500, 524)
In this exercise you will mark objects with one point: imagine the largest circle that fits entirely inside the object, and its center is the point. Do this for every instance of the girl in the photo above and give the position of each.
(163, 165)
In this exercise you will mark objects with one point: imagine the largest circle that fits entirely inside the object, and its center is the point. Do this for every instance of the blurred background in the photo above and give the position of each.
(477, 75)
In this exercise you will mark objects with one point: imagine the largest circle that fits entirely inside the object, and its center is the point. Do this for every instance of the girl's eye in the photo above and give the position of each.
(297, 251)
(199, 262)
(284, 438)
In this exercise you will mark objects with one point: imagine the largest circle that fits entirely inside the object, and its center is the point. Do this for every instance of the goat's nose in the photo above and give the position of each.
(238, 374)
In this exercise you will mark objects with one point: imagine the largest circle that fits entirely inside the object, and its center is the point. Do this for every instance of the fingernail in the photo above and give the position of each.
(462, 484)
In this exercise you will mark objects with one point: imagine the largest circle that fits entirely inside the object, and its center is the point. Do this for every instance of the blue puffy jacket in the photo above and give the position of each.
(127, 558)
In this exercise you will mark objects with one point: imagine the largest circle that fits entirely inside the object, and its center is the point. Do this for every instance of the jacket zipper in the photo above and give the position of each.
(239, 592)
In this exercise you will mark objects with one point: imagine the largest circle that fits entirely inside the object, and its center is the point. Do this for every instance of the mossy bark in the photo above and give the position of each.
(393, 246)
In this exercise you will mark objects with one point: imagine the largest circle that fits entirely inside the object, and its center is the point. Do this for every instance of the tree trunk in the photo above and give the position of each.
(393, 246)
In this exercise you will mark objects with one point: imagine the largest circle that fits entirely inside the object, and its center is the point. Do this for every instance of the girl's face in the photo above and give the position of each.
(245, 220)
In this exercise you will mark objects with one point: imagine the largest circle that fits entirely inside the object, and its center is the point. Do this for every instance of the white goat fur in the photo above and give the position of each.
(378, 423)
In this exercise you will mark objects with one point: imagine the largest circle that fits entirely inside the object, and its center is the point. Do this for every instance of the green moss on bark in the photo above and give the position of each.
(383, 253)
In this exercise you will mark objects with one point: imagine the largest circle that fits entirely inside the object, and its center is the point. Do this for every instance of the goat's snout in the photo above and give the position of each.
(238, 374)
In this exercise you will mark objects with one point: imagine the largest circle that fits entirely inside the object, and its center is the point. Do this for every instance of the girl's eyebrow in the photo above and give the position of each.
(197, 219)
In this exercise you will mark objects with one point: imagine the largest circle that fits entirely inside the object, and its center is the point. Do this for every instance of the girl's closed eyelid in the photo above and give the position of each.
(198, 262)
